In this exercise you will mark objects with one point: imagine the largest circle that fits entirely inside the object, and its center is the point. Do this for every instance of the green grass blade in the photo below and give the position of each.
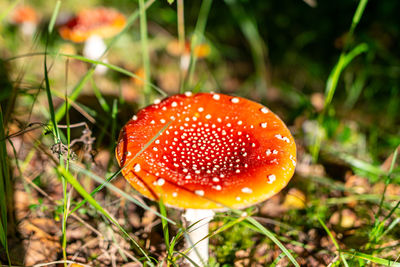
(188, 259)
(114, 113)
(387, 182)
(257, 45)
(74, 94)
(50, 102)
(145, 51)
(333, 79)
(329, 233)
(3, 173)
(277, 259)
(78, 187)
(358, 14)
(371, 258)
(164, 223)
(99, 96)
(54, 16)
(360, 164)
(390, 227)
(6, 197)
(197, 38)
(271, 236)
(3, 235)
(344, 61)
(334, 241)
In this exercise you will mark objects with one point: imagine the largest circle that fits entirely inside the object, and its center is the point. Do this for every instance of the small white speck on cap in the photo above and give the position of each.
(200, 109)
(134, 117)
(157, 141)
(187, 93)
(162, 121)
(155, 149)
(247, 190)
(264, 110)
(160, 182)
(199, 192)
(215, 179)
(293, 161)
(283, 138)
(235, 100)
(268, 152)
(174, 104)
(128, 153)
(263, 125)
(216, 97)
(174, 194)
(157, 101)
(152, 122)
(218, 187)
(239, 122)
(136, 168)
(271, 178)
(238, 198)
(208, 116)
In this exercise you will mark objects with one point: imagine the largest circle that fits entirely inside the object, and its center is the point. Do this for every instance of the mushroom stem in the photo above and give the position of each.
(94, 49)
(28, 28)
(198, 231)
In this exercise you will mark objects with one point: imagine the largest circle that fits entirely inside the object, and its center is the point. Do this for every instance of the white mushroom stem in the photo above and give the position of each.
(93, 49)
(197, 222)
(28, 28)
(185, 62)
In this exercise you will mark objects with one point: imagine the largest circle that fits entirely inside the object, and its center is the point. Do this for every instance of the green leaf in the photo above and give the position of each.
(371, 258)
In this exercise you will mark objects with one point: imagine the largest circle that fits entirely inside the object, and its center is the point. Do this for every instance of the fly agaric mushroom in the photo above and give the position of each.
(217, 152)
(92, 26)
(27, 18)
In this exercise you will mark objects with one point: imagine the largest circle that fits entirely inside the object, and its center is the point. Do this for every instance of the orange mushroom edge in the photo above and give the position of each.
(24, 14)
(217, 152)
(103, 22)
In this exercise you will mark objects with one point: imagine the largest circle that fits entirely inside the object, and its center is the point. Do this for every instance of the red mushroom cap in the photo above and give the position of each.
(218, 151)
(104, 22)
(24, 14)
